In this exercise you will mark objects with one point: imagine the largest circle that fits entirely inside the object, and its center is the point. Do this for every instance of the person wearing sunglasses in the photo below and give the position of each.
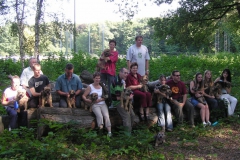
(179, 99)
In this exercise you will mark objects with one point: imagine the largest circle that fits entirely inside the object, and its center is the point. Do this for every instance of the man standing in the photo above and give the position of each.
(117, 86)
(179, 96)
(27, 74)
(67, 82)
(36, 85)
(139, 53)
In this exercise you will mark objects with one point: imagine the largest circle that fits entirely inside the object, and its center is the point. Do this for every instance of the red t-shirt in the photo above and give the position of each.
(178, 89)
(110, 66)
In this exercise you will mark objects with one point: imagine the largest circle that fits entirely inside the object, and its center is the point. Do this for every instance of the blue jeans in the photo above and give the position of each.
(12, 113)
(164, 109)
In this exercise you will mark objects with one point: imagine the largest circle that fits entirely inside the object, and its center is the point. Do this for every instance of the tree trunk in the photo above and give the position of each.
(37, 27)
(20, 6)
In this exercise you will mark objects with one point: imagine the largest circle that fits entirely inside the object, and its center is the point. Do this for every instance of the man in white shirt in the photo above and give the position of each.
(27, 74)
(139, 53)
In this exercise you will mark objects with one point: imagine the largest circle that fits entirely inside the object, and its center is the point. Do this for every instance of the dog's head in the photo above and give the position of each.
(47, 90)
(165, 89)
(160, 138)
(21, 93)
(128, 92)
(144, 79)
(71, 93)
(106, 52)
(94, 96)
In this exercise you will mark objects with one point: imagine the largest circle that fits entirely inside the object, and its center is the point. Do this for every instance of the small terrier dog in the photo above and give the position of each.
(45, 97)
(159, 138)
(71, 99)
(93, 97)
(144, 82)
(125, 100)
(165, 89)
(22, 98)
(103, 60)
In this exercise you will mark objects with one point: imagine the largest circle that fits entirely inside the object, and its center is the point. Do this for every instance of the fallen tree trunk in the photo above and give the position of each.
(83, 118)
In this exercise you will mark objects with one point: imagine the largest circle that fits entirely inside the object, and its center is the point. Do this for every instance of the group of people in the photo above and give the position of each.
(200, 87)
(33, 81)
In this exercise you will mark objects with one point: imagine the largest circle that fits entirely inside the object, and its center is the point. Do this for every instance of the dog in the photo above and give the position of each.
(103, 60)
(199, 96)
(22, 99)
(93, 97)
(159, 138)
(45, 97)
(165, 89)
(216, 90)
(125, 100)
(71, 99)
(144, 82)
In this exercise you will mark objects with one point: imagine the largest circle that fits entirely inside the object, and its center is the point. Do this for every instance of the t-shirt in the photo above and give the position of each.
(178, 89)
(11, 94)
(38, 83)
(26, 75)
(139, 55)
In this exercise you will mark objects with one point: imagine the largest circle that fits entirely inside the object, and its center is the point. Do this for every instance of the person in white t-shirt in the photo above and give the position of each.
(27, 74)
(139, 53)
(9, 100)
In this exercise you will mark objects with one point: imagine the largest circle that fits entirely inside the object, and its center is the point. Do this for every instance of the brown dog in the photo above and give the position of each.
(216, 90)
(45, 97)
(144, 82)
(71, 99)
(165, 89)
(93, 97)
(199, 96)
(159, 138)
(103, 60)
(22, 99)
(125, 100)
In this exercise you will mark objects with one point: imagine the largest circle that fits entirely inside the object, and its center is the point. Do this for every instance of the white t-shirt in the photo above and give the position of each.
(139, 55)
(98, 91)
(11, 94)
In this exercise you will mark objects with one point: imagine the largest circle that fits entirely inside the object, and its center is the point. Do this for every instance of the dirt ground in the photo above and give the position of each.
(218, 143)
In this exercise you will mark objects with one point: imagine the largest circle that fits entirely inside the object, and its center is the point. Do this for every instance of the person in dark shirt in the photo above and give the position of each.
(179, 99)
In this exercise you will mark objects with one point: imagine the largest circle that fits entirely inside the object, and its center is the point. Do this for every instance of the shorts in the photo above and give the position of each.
(194, 102)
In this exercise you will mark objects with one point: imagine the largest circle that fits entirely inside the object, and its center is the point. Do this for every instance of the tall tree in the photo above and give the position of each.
(20, 11)
(37, 27)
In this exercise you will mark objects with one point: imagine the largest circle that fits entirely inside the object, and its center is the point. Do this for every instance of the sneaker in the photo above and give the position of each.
(209, 123)
(109, 134)
(204, 124)
(215, 123)
(192, 126)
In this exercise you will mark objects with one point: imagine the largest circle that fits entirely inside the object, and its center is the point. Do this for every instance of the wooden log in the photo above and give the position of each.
(83, 118)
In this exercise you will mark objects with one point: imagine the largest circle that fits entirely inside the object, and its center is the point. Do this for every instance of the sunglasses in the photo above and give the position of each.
(177, 75)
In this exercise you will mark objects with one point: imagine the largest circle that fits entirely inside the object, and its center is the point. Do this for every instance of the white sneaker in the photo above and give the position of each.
(204, 124)
(109, 134)
(209, 123)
